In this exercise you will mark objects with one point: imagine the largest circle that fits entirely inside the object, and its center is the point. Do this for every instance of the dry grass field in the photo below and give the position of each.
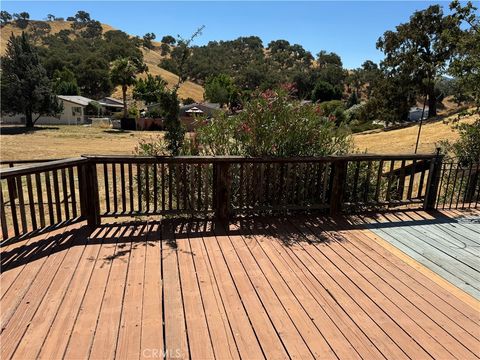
(70, 141)
(403, 140)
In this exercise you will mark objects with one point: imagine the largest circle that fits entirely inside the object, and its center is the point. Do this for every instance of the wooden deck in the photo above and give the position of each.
(451, 248)
(290, 288)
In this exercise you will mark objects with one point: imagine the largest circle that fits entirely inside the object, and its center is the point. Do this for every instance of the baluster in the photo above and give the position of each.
(31, 202)
(41, 210)
(71, 179)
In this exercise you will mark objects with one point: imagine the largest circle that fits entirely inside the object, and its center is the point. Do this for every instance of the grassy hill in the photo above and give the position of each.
(402, 141)
(151, 57)
(188, 89)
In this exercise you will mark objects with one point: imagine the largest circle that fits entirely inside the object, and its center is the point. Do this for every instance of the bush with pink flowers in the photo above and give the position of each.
(274, 124)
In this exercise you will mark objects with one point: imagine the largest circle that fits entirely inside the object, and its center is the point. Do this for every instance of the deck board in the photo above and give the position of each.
(57, 338)
(423, 318)
(441, 244)
(302, 287)
(81, 335)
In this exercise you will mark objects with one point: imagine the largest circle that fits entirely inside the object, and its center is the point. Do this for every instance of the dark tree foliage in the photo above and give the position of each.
(88, 58)
(352, 100)
(188, 101)
(147, 40)
(92, 30)
(80, 20)
(325, 59)
(65, 83)
(362, 80)
(5, 17)
(124, 73)
(286, 59)
(220, 89)
(169, 40)
(227, 57)
(93, 76)
(22, 19)
(420, 49)
(465, 65)
(304, 82)
(392, 98)
(25, 86)
(150, 89)
(165, 49)
(467, 148)
(324, 91)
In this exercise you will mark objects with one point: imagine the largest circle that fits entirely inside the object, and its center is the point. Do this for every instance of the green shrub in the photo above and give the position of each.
(467, 148)
(334, 110)
(93, 108)
(272, 124)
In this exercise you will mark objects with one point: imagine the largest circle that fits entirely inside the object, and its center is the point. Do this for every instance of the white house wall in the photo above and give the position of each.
(65, 118)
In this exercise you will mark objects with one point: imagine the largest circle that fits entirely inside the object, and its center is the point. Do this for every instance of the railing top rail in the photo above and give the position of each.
(40, 167)
(240, 159)
(25, 161)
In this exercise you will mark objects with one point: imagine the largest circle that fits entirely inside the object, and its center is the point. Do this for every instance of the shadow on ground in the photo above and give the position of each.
(18, 130)
(289, 230)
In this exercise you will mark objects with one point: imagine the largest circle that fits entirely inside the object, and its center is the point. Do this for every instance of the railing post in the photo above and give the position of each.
(222, 190)
(89, 197)
(433, 182)
(337, 189)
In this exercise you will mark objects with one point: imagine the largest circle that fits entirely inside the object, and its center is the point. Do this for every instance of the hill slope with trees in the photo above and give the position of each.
(151, 57)
(433, 55)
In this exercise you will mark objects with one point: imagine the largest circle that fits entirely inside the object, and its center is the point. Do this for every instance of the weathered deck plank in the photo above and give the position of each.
(434, 243)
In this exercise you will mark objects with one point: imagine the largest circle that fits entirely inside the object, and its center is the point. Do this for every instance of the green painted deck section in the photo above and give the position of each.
(447, 243)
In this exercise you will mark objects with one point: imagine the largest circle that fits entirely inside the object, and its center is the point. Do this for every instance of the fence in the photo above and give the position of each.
(45, 195)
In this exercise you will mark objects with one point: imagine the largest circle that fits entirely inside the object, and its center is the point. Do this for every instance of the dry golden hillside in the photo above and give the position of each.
(56, 26)
(152, 59)
(402, 141)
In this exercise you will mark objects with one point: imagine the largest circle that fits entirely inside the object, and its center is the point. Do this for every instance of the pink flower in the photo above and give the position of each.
(268, 94)
(289, 87)
(246, 128)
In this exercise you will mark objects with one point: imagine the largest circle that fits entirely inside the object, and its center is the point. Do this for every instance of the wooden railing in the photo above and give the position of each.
(459, 185)
(43, 195)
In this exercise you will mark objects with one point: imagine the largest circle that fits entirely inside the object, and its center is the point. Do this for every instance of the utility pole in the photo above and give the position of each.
(421, 122)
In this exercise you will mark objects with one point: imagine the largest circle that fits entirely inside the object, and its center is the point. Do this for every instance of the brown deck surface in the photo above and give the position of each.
(291, 288)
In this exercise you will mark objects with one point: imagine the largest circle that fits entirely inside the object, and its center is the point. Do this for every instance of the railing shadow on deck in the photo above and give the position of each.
(289, 230)
(413, 218)
(168, 231)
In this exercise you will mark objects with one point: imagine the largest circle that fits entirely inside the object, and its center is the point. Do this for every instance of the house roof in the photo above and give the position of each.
(111, 105)
(207, 109)
(111, 101)
(84, 101)
(76, 99)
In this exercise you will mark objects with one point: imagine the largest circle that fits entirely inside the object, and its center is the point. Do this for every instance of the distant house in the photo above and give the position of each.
(111, 104)
(415, 113)
(74, 111)
(204, 109)
(188, 115)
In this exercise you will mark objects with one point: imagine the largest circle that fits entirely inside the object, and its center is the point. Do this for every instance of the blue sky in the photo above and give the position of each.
(349, 28)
